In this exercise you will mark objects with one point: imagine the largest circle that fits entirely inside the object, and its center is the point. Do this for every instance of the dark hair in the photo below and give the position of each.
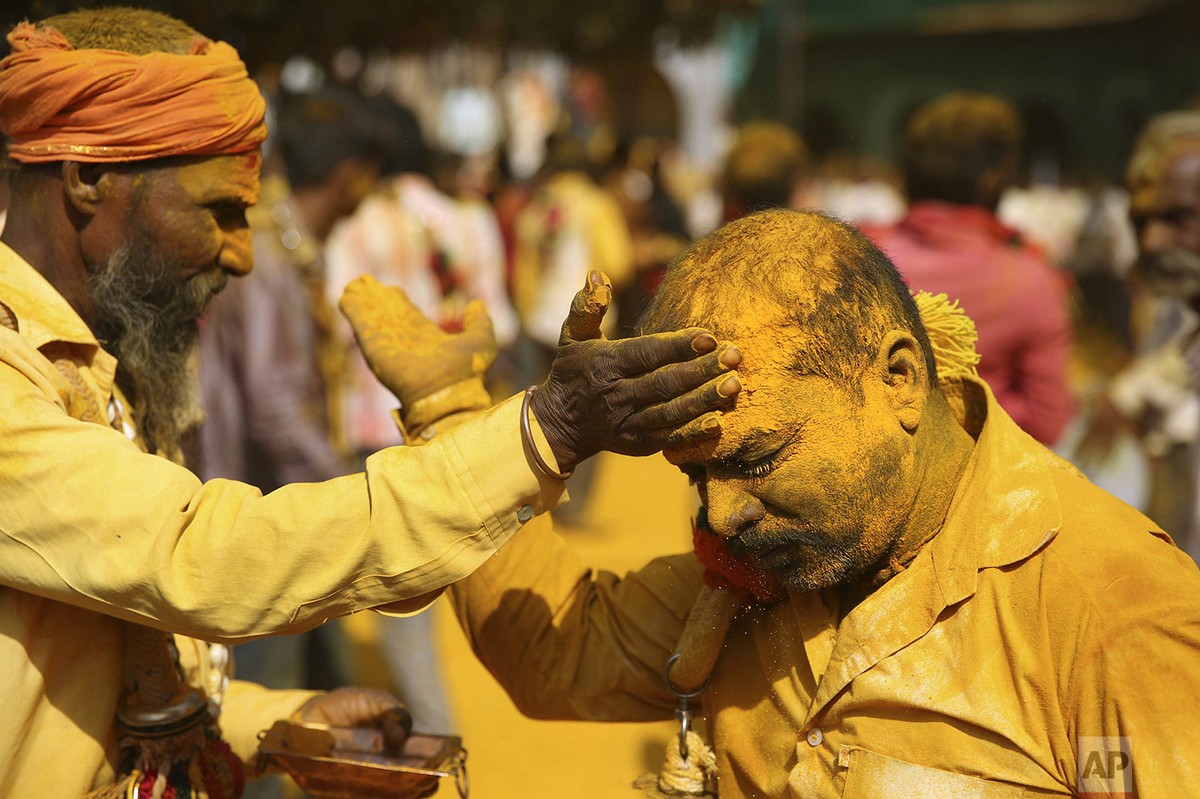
(830, 284)
(407, 151)
(129, 30)
(951, 142)
(316, 131)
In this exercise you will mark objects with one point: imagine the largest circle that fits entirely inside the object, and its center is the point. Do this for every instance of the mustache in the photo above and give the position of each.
(756, 541)
(196, 293)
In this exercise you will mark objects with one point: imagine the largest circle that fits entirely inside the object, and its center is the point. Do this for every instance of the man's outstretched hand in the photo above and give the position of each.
(633, 396)
(412, 356)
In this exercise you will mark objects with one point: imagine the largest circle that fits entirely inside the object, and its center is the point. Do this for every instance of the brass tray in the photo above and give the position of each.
(350, 762)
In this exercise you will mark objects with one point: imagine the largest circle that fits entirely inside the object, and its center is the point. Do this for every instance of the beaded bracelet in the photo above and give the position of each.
(527, 439)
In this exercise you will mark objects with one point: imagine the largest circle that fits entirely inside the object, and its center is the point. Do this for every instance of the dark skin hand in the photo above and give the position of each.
(360, 707)
(633, 396)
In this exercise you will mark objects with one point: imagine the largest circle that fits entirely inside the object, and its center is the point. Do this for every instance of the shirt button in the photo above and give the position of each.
(524, 513)
(815, 737)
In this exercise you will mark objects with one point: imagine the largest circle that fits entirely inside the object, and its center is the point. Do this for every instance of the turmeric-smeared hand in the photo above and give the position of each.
(412, 356)
(633, 396)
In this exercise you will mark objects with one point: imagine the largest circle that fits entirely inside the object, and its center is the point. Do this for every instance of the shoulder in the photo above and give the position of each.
(1112, 562)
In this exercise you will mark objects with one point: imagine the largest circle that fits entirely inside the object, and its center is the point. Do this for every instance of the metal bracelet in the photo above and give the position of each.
(527, 439)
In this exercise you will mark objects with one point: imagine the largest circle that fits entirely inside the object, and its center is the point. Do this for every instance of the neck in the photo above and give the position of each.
(944, 452)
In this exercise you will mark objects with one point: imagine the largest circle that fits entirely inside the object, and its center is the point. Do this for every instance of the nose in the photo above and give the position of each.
(237, 252)
(731, 508)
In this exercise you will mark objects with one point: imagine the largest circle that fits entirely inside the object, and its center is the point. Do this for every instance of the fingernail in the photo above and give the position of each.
(704, 343)
(595, 278)
(729, 387)
(731, 356)
(711, 424)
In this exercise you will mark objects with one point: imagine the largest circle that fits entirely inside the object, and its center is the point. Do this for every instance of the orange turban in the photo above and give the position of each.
(62, 104)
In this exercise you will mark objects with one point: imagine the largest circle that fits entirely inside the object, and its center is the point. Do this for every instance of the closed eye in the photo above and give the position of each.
(761, 469)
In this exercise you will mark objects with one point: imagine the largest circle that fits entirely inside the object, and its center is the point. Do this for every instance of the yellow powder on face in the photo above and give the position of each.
(764, 345)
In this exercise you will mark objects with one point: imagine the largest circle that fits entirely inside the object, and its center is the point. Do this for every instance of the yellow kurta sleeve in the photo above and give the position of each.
(249, 708)
(91, 520)
(567, 643)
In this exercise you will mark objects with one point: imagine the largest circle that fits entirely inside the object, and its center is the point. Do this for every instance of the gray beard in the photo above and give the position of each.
(146, 318)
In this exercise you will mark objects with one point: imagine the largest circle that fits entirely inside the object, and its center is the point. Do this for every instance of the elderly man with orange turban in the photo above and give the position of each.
(136, 144)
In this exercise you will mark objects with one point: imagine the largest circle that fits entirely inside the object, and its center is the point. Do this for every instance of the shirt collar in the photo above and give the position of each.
(45, 317)
(1006, 507)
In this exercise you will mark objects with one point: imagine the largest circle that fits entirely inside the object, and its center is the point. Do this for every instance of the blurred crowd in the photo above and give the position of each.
(461, 177)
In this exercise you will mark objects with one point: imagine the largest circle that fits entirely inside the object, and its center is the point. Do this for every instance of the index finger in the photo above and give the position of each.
(642, 354)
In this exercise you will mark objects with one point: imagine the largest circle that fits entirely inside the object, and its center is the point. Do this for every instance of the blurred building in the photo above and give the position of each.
(1084, 74)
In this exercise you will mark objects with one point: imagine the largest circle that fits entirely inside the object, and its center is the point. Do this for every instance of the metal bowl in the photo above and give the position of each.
(351, 762)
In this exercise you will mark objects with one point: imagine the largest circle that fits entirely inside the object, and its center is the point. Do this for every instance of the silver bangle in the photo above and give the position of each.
(527, 439)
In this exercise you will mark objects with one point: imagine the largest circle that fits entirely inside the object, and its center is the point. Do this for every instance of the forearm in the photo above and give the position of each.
(92, 521)
(250, 708)
(566, 643)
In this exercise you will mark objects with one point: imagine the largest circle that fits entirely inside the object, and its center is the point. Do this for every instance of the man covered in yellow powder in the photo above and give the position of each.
(929, 602)
(136, 146)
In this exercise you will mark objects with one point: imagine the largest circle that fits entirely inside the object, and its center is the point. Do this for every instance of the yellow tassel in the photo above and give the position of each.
(951, 332)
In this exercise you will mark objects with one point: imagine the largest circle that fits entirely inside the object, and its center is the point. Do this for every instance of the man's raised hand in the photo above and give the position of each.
(633, 396)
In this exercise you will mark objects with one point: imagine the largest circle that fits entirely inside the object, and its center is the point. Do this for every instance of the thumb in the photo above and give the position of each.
(476, 321)
(587, 309)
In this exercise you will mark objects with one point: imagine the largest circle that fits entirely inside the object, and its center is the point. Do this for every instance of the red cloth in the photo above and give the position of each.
(723, 569)
(62, 104)
(1016, 298)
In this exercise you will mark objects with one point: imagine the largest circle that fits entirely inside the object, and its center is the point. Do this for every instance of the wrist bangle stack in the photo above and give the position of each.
(527, 440)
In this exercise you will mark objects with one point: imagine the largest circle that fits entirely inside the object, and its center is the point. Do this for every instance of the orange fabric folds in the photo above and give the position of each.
(62, 104)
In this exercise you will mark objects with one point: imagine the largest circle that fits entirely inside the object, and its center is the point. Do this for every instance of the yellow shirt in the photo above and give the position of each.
(1048, 638)
(93, 530)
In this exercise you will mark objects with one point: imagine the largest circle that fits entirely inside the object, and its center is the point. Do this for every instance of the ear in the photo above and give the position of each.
(901, 367)
(88, 185)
